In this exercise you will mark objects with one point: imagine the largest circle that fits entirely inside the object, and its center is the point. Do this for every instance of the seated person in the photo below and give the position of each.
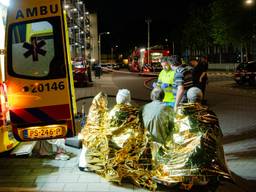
(121, 116)
(195, 152)
(95, 146)
(157, 117)
(128, 145)
(194, 95)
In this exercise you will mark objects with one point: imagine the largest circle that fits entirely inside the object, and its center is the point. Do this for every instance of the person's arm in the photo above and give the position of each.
(204, 73)
(179, 95)
(202, 76)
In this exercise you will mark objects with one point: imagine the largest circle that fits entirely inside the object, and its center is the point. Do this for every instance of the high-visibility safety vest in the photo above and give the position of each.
(167, 77)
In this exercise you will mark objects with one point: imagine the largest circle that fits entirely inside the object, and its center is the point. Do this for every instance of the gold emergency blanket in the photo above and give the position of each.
(129, 150)
(195, 153)
(94, 134)
(116, 143)
(120, 148)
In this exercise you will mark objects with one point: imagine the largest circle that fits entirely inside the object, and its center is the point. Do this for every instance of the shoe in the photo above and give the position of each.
(85, 169)
(62, 156)
(81, 168)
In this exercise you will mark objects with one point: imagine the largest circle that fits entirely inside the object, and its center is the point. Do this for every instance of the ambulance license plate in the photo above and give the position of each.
(50, 132)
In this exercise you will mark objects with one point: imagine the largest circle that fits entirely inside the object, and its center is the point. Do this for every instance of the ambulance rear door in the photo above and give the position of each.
(37, 71)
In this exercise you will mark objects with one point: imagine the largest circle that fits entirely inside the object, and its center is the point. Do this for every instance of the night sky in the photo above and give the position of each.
(125, 20)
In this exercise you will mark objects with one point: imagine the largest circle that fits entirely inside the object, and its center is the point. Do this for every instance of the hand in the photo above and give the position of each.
(164, 85)
(154, 85)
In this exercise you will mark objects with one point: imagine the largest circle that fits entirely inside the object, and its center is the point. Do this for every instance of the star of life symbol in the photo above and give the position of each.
(34, 48)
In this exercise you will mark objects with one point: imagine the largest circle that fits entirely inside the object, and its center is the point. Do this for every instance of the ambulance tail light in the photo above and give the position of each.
(19, 97)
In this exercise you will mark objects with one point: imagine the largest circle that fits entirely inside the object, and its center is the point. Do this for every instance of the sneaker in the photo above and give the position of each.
(62, 156)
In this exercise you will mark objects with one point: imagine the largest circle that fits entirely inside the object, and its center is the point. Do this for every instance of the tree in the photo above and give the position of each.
(225, 21)
(196, 30)
(231, 23)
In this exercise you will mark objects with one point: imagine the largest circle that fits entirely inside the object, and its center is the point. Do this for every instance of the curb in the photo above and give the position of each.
(220, 73)
(146, 83)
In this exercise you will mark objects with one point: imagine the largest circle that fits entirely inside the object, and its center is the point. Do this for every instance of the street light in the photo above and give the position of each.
(249, 2)
(103, 33)
(5, 2)
(148, 22)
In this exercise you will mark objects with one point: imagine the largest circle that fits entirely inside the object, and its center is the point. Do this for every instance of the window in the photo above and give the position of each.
(36, 50)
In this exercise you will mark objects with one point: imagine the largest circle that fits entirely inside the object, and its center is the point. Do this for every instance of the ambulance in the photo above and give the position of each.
(38, 71)
(7, 140)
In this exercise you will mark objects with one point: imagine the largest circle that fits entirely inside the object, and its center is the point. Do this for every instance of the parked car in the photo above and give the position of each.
(107, 66)
(246, 73)
(114, 66)
(80, 73)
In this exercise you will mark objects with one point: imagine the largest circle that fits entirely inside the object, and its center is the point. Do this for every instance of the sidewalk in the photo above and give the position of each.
(24, 173)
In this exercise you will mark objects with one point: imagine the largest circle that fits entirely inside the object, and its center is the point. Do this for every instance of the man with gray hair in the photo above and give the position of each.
(194, 95)
(157, 117)
(123, 96)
